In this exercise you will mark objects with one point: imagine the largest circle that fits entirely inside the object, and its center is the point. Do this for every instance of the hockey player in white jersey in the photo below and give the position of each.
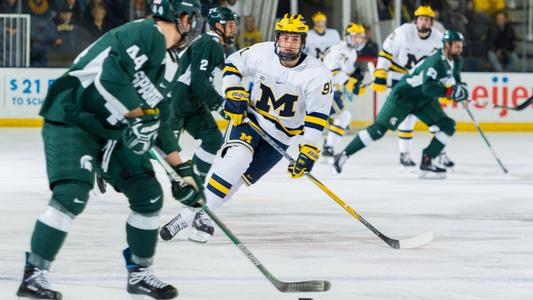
(321, 38)
(340, 60)
(402, 50)
(291, 96)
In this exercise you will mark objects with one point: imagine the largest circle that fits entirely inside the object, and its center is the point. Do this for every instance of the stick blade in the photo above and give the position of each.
(417, 241)
(304, 286)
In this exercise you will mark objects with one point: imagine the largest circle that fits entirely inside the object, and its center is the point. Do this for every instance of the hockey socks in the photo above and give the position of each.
(141, 232)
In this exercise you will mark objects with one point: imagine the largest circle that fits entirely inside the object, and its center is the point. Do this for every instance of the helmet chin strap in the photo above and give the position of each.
(222, 34)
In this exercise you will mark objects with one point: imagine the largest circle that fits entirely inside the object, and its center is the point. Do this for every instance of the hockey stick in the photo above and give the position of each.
(476, 124)
(282, 286)
(414, 242)
(519, 107)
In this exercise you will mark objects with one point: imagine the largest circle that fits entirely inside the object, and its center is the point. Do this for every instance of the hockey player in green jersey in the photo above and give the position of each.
(102, 116)
(194, 97)
(417, 93)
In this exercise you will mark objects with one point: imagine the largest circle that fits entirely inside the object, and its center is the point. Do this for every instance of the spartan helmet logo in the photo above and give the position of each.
(393, 121)
(86, 163)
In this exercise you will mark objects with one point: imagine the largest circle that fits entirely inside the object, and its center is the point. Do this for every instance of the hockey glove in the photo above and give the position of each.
(380, 81)
(352, 85)
(458, 92)
(187, 191)
(141, 132)
(236, 105)
(305, 161)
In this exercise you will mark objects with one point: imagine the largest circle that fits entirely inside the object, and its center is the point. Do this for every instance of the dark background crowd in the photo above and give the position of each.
(60, 29)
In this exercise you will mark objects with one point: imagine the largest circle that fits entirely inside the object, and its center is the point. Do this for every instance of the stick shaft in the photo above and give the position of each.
(476, 124)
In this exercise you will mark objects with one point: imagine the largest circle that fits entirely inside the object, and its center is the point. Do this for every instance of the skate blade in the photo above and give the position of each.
(432, 175)
(407, 169)
(328, 160)
(199, 237)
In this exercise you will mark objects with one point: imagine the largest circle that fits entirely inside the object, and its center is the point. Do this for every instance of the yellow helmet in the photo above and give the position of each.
(319, 16)
(292, 23)
(357, 42)
(355, 28)
(424, 10)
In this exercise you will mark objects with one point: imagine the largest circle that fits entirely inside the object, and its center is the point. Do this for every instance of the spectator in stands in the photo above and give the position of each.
(502, 44)
(87, 14)
(9, 7)
(251, 35)
(371, 49)
(74, 7)
(99, 25)
(38, 8)
(140, 9)
(43, 31)
(489, 7)
(66, 32)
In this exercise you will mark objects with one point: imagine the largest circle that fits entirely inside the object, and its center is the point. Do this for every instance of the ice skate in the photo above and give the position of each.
(431, 170)
(203, 228)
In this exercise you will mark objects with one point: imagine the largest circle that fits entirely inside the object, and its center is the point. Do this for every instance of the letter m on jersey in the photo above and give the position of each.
(285, 103)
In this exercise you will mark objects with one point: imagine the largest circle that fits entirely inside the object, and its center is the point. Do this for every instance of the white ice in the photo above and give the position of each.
(482, 221)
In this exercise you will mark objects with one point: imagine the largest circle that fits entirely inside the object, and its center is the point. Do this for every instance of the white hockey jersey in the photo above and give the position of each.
(403, 49)
(286, 102)
(317, 44)
(340, 60)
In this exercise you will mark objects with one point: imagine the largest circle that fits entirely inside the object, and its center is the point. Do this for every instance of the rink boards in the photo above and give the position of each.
(23, 91)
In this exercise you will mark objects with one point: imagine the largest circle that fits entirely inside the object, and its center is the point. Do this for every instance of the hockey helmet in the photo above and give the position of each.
(172, 10)
(222, 15)
(451, 35)
(291, 24)
(424, 11)
(319, 16)
(355, 31)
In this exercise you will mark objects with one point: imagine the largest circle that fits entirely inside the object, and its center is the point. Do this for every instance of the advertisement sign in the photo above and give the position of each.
(23, 91)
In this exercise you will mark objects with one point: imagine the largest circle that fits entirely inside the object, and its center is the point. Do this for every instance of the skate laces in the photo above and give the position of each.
(39, 277)
(176, 224)
(148, 277)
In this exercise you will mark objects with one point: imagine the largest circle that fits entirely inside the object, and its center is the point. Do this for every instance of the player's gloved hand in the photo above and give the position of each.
(352, 85)
(141, 132)
(187, 191)
(236, 105)
(458, 92)
(305, 161)
(380, 80)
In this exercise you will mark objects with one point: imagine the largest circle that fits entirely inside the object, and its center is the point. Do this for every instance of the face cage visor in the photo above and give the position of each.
(285, 55)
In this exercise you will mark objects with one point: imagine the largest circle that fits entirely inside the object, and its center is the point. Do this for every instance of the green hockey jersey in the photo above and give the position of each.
(430, 78)
(121, 71)
(194, 86)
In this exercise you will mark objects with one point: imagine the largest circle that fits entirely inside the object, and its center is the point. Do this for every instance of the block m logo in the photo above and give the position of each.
(285, 103)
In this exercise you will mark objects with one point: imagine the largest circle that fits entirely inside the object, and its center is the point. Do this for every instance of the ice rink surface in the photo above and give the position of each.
(482, 221)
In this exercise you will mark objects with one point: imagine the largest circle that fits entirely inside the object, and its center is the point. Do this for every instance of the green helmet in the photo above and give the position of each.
(220, 14)
(170, 10)
(451, 35)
